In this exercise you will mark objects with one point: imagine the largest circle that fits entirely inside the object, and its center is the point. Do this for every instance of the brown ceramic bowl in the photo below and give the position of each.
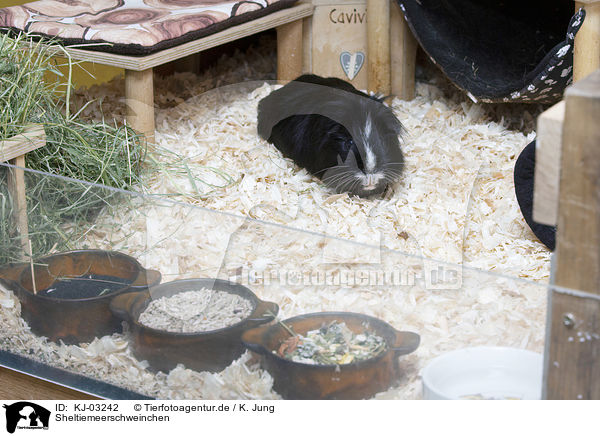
(302, 381)
(12, 271)
(203, 351)
(77, 320)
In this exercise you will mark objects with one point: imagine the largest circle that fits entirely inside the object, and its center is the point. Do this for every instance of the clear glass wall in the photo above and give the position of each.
(449, 305)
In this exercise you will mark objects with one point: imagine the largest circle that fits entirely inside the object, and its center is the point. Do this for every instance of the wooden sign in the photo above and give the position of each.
(338, 42)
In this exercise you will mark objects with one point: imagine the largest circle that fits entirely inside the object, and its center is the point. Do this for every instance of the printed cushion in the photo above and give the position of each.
(508, 51)
(132, 27)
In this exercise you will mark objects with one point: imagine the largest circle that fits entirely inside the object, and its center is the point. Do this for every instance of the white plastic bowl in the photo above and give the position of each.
(484, 373)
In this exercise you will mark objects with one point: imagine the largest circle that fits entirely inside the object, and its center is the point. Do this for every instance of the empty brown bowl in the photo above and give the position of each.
(12, 271)
(87, 281)
(211, 350)
(358, 380)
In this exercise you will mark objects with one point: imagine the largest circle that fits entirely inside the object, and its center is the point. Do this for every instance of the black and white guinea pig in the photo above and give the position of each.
(348, 139)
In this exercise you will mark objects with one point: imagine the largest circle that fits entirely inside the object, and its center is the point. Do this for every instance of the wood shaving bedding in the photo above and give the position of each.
(455, 202)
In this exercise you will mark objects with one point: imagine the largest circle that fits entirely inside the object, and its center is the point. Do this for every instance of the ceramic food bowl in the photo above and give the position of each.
(362, 379)
(484, 373)
(12, 271)
(76, 318)
(211, 350)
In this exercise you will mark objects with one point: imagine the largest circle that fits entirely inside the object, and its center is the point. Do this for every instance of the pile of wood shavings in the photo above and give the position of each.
(196, 311)
(455, 202)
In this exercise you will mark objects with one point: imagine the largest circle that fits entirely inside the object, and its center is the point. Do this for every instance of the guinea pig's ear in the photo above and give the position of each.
(351, 159)
(392, 122)
(381, 98)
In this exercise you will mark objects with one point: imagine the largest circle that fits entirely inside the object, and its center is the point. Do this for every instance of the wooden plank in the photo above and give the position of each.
(576, 371)
(16, 187)
(140, 63)
(586, 52)
(573, 366)
(339, 35)
(14, 150)
(307, 26)
(403, 47)
(547, 164)
(337, 2)
(378, 46)
(18, 386)
(578, 237)
(32, 138)
(139, 98)
(289, 51)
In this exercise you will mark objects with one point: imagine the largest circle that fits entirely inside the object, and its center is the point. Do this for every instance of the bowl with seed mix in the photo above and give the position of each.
(331, 355)
(195, 322)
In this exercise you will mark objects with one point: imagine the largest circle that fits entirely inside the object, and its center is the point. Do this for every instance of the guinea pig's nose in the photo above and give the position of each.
(370, 182)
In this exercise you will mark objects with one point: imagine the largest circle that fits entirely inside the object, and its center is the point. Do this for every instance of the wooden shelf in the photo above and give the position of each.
(140, 63)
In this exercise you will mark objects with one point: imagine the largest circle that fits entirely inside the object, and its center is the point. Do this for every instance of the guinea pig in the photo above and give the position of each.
(347, 138)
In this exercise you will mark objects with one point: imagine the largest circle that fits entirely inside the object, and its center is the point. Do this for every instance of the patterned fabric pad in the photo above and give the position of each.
(133, 27)
(508, 51)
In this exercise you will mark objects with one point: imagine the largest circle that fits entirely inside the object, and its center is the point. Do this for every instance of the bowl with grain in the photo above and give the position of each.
(194, 322)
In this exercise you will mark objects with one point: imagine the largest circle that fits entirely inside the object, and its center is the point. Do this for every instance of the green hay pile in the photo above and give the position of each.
(31, 91)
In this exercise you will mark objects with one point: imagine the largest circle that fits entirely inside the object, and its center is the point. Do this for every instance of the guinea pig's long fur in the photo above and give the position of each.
(345, 137)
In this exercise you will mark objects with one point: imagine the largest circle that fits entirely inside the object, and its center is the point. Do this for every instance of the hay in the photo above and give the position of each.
(110, 154)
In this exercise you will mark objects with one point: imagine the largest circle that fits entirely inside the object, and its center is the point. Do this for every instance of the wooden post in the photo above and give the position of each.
(13, 150)
(16, 186)
(548, 150)
(289, 50)
(572, 365)
(378, 46)
(403, 55)
(307, 61)
(139, 95)
(586, 53)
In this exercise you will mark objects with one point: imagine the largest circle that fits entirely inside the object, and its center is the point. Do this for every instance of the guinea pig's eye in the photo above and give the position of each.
(346, 145)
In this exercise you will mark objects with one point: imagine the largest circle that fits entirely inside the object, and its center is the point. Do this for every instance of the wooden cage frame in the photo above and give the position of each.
(570, 193)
